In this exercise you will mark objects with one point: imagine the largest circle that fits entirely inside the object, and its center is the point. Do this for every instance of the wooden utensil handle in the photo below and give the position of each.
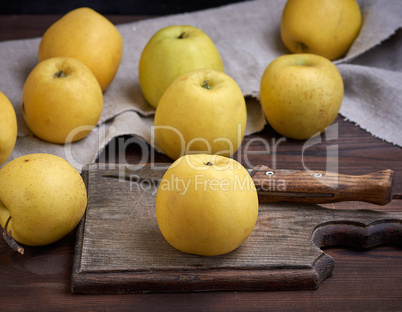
(319, 187)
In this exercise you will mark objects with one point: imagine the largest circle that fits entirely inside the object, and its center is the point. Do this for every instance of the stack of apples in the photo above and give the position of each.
(199, 108)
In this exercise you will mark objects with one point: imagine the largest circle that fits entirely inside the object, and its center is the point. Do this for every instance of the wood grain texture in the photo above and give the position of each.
(121, 250)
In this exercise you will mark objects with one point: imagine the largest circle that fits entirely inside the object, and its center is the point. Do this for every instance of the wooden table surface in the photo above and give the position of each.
(363, 280)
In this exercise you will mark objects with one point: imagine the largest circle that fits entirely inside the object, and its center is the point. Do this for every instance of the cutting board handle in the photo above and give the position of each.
(358, 235)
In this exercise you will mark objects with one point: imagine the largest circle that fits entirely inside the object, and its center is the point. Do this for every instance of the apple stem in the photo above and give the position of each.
(208, 163)
(10, 240)
(59, 74)
(206, 85)
(181, 35)
(303, 47)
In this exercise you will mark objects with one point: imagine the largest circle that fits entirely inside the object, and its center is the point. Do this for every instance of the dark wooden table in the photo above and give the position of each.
(363, 280)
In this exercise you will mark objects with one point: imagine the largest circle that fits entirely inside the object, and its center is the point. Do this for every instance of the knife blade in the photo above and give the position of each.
(277, 185)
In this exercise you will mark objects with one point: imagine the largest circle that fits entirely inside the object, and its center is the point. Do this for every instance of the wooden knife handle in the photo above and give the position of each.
(320, 187)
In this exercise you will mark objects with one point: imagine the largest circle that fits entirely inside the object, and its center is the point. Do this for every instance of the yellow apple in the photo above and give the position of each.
(89, 37)
(61, 100)
(301, 94)
(171, 52)
(8, 128)
(201, 111)
(45, 197)
(206, 204)
(327, 28)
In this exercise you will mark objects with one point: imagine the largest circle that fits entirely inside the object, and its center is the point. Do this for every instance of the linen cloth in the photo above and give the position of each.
(248, 39)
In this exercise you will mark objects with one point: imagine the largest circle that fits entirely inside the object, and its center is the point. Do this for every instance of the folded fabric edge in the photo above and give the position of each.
(382, 138)
(349, 58)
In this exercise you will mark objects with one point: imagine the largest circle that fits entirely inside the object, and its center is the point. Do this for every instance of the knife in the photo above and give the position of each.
(276, 185)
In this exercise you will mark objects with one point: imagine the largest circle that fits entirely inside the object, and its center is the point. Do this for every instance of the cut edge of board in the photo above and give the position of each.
(287, 278)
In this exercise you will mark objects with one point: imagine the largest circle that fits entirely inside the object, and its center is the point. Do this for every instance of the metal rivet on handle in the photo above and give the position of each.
(317, 175)
(269, 173)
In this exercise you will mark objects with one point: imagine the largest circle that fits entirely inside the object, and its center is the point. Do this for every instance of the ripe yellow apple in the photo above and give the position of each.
(8, 128)
(45, 197)
(89, 37)
(61, 100)
(202, 111)
(327, 28)
(301, 94)
(206, 204)
(171, 52)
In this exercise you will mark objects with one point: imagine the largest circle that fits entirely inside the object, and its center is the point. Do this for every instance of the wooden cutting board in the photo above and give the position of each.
(120, 249)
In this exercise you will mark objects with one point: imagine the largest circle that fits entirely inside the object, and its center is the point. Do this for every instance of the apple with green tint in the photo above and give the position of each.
(171, 52)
